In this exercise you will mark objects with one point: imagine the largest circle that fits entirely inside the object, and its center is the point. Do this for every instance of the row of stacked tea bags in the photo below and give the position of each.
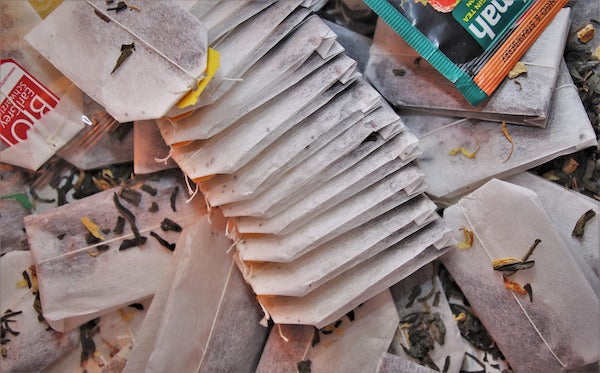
(312, 171)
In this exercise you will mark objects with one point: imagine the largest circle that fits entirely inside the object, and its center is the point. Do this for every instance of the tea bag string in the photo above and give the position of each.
(214, 321)
(451, 124)
(487, 252)
(122, 237)
(190, 75)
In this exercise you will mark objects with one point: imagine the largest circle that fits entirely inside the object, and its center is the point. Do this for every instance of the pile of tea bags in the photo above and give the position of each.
(312, 169)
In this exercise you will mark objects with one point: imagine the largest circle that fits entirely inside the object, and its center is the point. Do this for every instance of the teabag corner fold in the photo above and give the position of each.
(150, 153)
(79, 280)
(409, 81)
(506, 220)
(41, 110)
(352, 344)
(121, 59)
(450, 176)
(30, 345)
(223, 331)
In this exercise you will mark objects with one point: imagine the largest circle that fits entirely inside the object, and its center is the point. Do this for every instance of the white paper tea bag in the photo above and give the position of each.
(149, 149)
(40, 109)
(390, 363)
(404, 79)
(120, 58)
(354, 345)
(332, 159)
(223, 331)
(314, 132)
(239, 143)
(374, 167)
(450, 176)
(506, 220)
(345, 292)
(422, 305)
(79, 280)
(12, 236)
(308, 272)
(27, 343)
(305, 50)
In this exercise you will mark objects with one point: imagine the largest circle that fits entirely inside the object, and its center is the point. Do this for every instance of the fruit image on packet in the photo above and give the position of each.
(473, 43)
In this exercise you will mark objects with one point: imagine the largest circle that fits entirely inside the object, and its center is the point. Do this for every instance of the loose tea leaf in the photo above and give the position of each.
(102, 16)
(153, 207)
(92, 228)
(162, 241)
(473, 330)
(529, 291)
(127, 215)
(509, 138)
(131, 196)
(169, 225)
(138, 241)
(304, 366)
(126, 51)
(86, 334)
(148, 189)
(173, 198)
(119, 226)
(121, 5)
(446, 364)
(26, 277)
(137, 306)
(580, 225)
(422, 329)
(513, 267)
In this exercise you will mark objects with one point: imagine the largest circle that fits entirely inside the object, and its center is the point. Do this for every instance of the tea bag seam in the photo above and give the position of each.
(190, 75)
(467, 218)
(114, 239)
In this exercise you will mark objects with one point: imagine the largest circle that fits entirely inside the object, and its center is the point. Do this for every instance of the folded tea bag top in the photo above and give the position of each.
(122, 57)
(558, 325)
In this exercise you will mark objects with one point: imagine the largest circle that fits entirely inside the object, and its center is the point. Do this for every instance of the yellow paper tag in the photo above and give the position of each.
(212, 65)
(44, 7)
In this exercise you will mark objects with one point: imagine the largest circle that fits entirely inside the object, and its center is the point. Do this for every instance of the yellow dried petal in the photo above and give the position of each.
(509, 138)
(586, 33)
(465, 152)
(469, 238)
(22, 284)
(92, 228)
(517, 70)
(504, 261)
(461, 316)
(126, 316)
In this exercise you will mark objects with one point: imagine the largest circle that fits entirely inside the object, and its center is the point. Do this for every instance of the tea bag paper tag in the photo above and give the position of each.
(213, 63)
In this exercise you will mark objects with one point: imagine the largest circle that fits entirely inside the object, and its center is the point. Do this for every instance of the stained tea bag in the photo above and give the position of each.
(338, 155)
(506, 220)
(120, 59)
(407, 80)
(568, 130)
(89, 242)
(12, 235)
(149, 149)
(232, 148)
(374, 167)
(28, 344)
(345, 292)
(307, 48)
(422, 305)
(377, 199)
(309, 271)
(314, 132)
(201, 277)
(352, 344)
(41, 110)
(565, 208)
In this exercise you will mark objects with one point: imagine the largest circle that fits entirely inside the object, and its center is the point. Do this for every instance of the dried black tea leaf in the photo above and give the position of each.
(61, 236)
(121, 5)
(119, 226)
(316, 337)
(169, 225)
(86, 334)
(127, 244)
(436, 299)
(173, 198)
(513, 267)
(148, 189)
(446, 364)
(102, 16)
(137, 306)
(27, 279)
(580, 225)
(398, 72)
(350, 315)
(304, 366)
(530, 251)
(153, 207)
(529, 291)
(163, 242)
(126, 51)
(90, 239)
(473, 331)
(8, 314)
(337, 324)
(414, 293)
(127, 215)
(131, 196)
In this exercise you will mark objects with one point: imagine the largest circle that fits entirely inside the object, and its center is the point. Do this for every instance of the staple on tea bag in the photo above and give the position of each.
(300, 142)
(568, 130)
(27, 342)
(311, 270)
(151, 154)
(125, 264)
(560, 290)
(230, 317)
(353, 344)
(144, 83)
(407, 80)
(232, 148)
(363, 174)
(335, 298)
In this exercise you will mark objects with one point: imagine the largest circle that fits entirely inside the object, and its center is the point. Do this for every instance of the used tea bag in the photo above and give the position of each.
(121, 59)
(506, 219)
(309, 271)
(374, 167)
(71, 260)
(307, 48)
(352, 344)
(149, 149)
(40, 109)
(345, 292)
(222, 334)
(449, 176)
(232, 148)
(564, 208)
(300, 142)
(28, 344)
(407, 80)
(337, 156)
(377, 199)
(441, 344)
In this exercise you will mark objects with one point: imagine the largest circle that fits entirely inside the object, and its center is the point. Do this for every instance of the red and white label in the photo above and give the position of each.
(24, 101)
